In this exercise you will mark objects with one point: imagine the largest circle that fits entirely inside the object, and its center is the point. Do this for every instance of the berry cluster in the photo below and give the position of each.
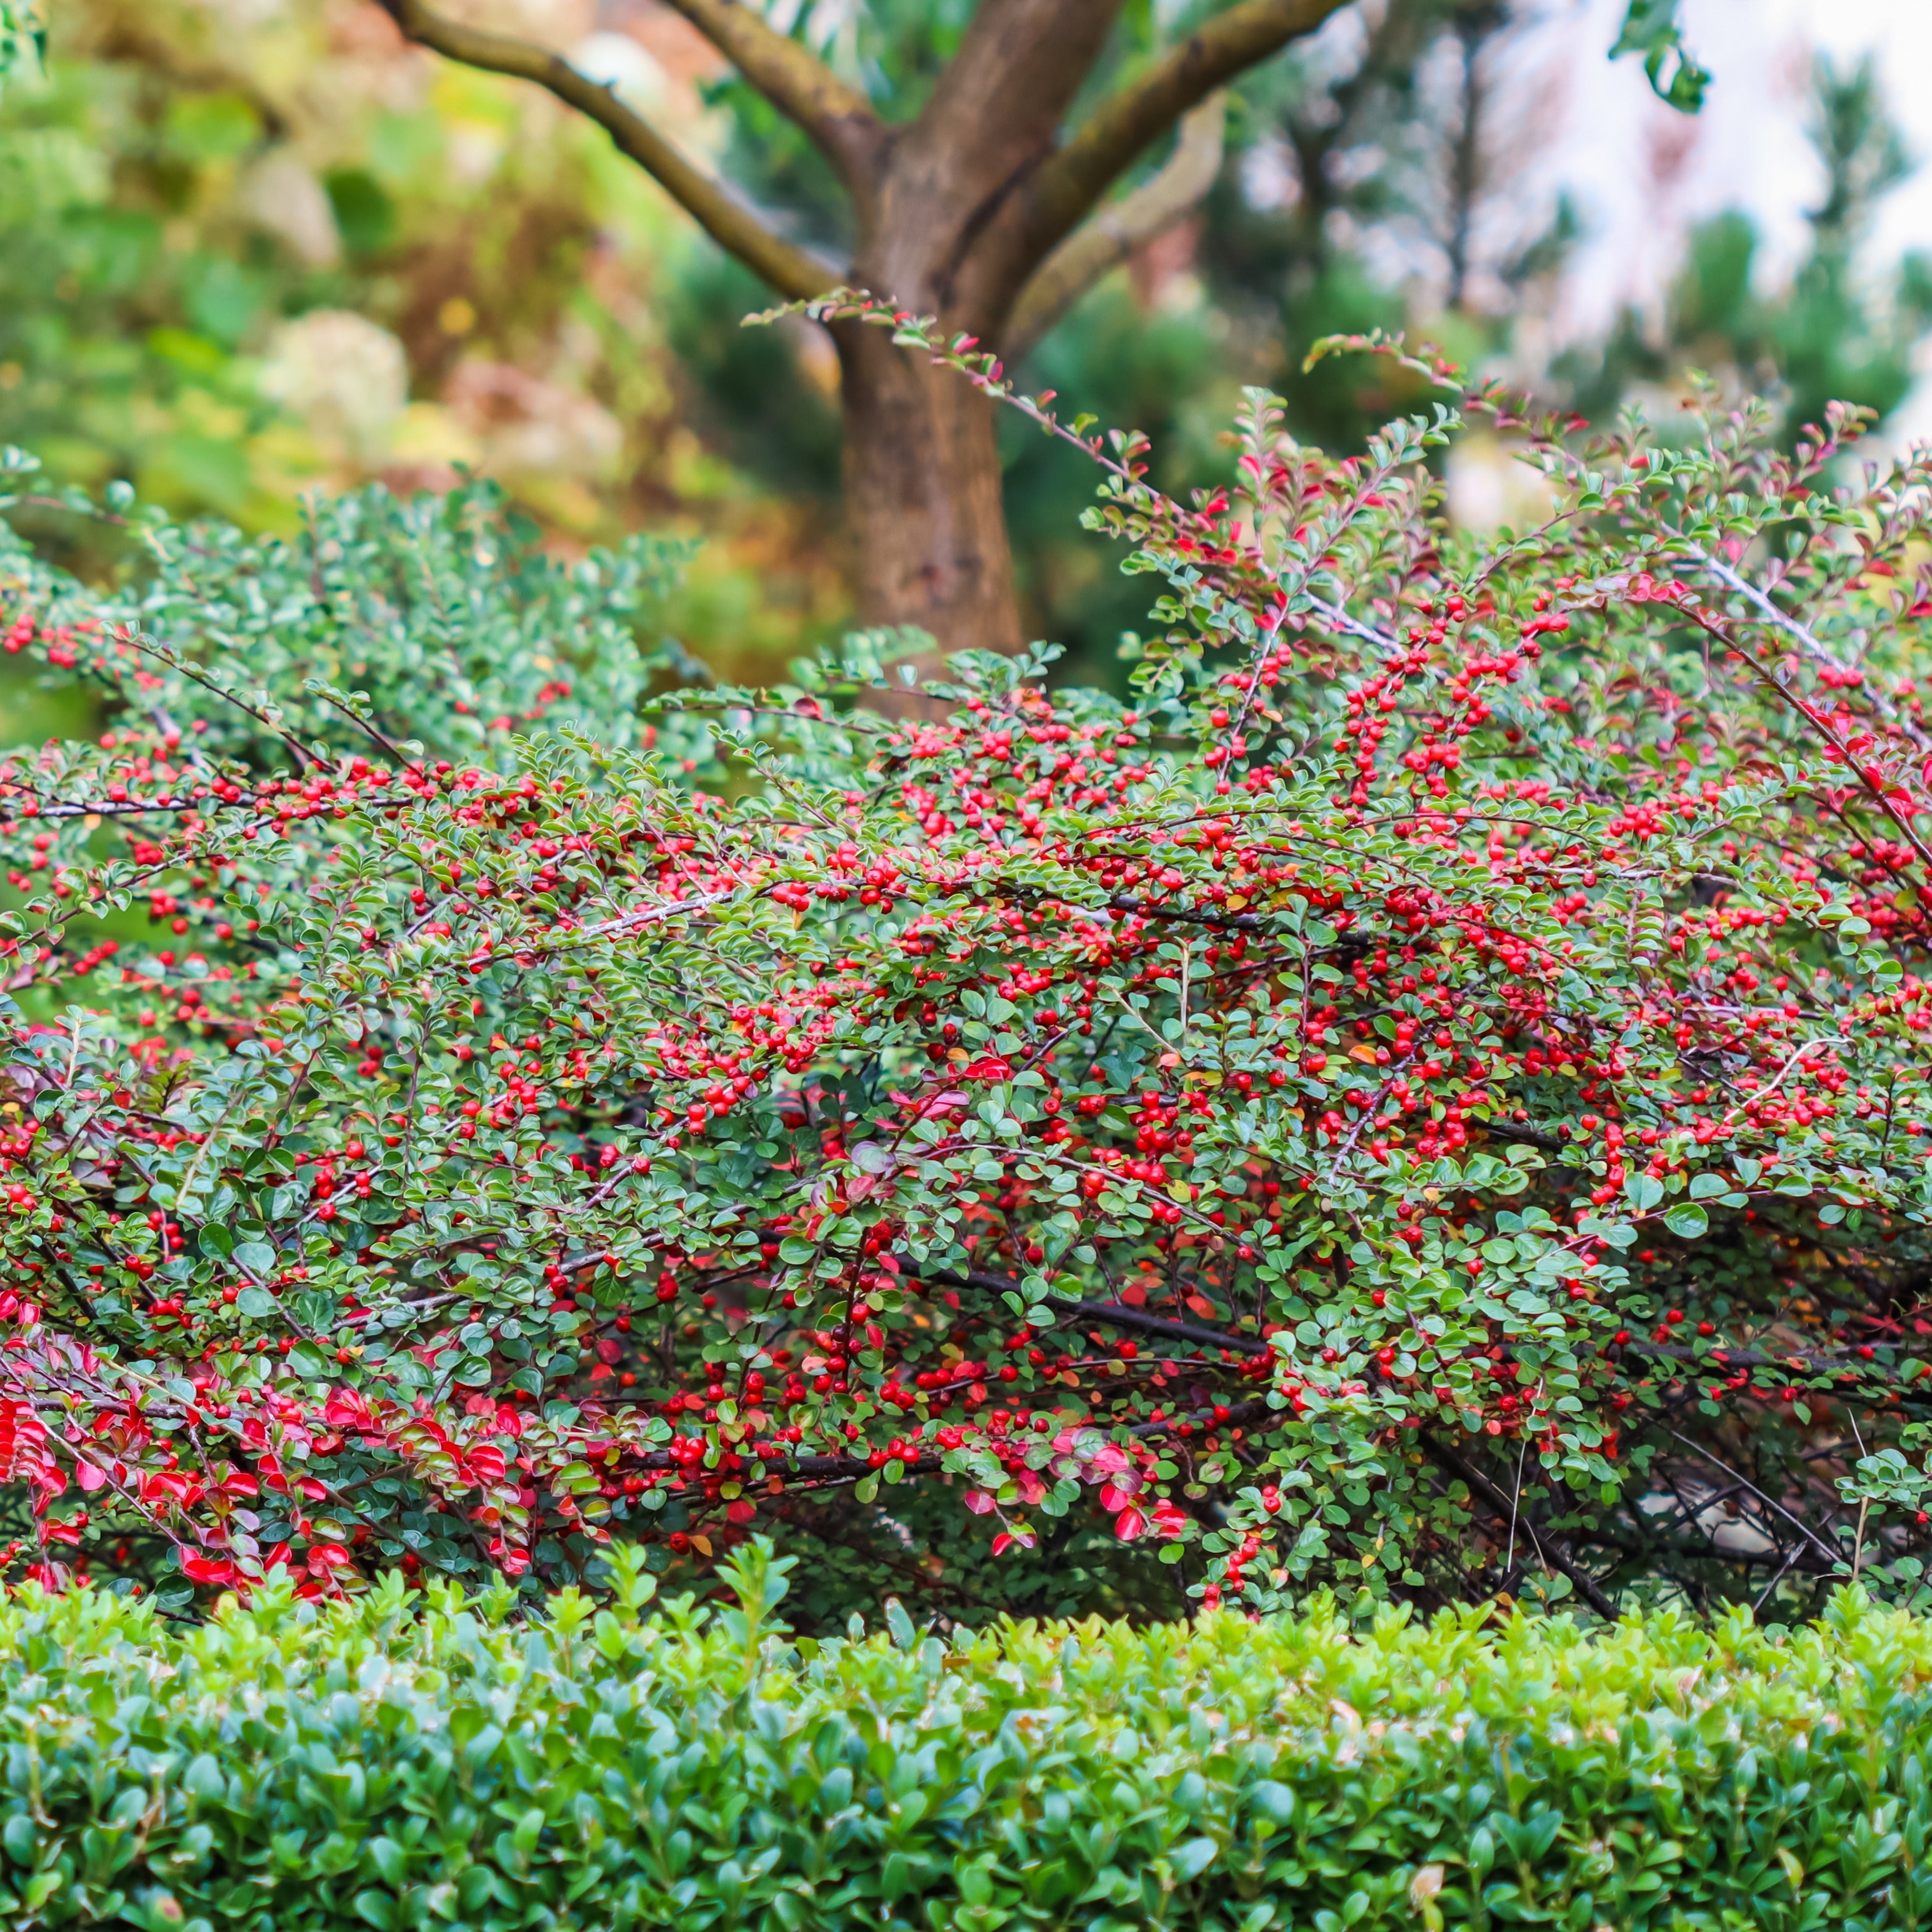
(1429, 1092)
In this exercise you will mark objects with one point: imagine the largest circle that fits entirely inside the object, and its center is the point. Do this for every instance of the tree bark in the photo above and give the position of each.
(922, 466)
(922, 469)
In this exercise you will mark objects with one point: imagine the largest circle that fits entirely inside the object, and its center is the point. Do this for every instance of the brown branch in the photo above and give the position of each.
(137, 808)
(1115, 1314)
(839, 118)
(1797, 1523)
(949, 227)
(1113, 235)
(998, 101)
(1232, 922)
(1073, 182)
(1711, 1362)
(140, 641)
(788, 268)
(1551, 1547)
(1868, 776)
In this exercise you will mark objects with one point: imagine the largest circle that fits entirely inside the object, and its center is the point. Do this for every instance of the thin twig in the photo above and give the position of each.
(1797, 1523)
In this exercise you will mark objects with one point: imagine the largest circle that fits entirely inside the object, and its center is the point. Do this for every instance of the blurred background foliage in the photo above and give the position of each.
(1833, 334)
(253, 247)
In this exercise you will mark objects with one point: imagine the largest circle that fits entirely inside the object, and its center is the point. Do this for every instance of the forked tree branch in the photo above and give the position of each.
(789, 269)
(1113, 235)
(996, 105)
(838, 117)
(949, 230)
(1072, 182)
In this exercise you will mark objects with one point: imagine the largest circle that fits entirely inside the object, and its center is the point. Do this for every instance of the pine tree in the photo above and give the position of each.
(1836, 334)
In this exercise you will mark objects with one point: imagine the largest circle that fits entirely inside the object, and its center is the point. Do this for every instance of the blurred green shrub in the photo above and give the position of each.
(253, 253)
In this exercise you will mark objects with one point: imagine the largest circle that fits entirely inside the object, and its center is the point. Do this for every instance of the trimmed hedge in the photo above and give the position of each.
(428, 1760)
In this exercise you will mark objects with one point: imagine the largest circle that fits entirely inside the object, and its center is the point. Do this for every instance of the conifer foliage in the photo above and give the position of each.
(1428, 1092)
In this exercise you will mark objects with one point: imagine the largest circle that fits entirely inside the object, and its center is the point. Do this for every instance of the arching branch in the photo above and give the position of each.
(1115, 1314)
(1113, 235)
(788, 268)
(1072, 182)
(838, 117)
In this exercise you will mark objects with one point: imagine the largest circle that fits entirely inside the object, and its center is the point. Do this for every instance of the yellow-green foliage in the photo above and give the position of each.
(425, 1760)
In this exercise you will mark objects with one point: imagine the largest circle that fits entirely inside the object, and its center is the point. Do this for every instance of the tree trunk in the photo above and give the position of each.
(955, 210)
(923, 497)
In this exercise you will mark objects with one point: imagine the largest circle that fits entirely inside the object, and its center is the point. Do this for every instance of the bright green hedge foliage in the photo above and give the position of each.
(391, 1762)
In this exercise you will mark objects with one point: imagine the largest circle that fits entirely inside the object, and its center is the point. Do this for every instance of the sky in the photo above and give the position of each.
(1643, 174)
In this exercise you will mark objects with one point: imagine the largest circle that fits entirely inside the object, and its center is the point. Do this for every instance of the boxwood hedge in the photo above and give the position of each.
(422, 1758)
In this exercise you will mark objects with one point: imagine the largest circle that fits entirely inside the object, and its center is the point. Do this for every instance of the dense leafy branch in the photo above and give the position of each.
(1430, 1086)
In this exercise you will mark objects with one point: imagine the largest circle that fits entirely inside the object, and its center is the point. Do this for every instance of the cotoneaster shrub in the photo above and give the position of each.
(410, 1759)
(1427, 1094)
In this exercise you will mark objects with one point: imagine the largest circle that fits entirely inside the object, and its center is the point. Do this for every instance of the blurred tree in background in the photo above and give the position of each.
(984, 165)
(254, 247)
(1384, 123)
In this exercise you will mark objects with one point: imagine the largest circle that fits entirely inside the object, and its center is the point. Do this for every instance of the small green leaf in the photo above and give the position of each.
(377, 1909)
(1191, 1859)
(1687, 1220)
(1274, 1801)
